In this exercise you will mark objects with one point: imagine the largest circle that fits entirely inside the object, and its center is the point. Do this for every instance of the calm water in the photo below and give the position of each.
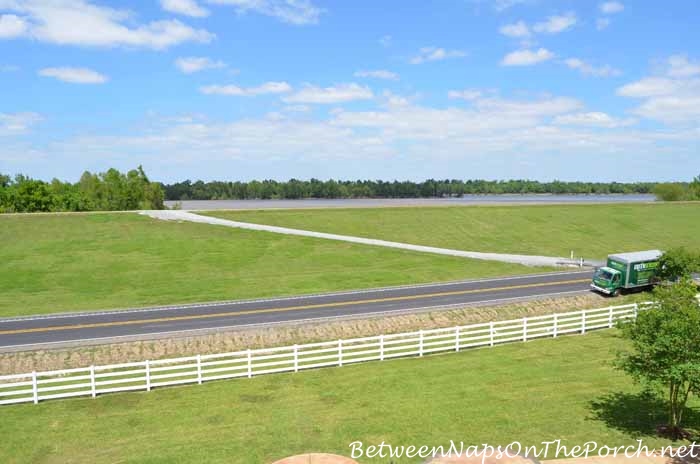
(369, 203)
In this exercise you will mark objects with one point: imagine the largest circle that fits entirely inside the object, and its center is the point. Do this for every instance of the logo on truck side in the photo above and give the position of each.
(645, 266)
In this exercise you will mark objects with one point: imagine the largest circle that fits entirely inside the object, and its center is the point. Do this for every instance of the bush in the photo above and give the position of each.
(678, 263)
(670, 192)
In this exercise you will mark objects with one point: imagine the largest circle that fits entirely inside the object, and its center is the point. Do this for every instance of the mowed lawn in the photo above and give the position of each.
(591, 231)
(530, 392)
(55, 263)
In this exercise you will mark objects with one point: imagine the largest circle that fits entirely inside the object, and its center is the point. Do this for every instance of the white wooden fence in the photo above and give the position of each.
(146, 375)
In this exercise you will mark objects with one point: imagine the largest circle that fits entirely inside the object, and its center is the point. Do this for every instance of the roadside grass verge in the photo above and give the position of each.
(285, 335)
(591, 231)
(531, 392)
(58, 263)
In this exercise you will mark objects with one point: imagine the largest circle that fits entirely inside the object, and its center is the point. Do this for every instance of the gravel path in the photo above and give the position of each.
(528, 260)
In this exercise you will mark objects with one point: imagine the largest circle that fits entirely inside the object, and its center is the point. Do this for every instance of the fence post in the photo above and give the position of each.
(420, 342)
(199, 369)
(296, 358)
(556, 324)
(610, 317)
(491, 333)
(35, 388)
(93, 387)
(583, 322)
(524, 329)
(250, 363)
(381, 347)
(636, 310)
(340, 353)
(148, 375)
(457, 339)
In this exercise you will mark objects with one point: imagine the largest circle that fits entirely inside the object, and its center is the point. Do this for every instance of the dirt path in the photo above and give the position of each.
(527, 260)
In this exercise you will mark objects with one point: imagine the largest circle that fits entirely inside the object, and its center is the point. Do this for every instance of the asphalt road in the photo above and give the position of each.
(25, 333)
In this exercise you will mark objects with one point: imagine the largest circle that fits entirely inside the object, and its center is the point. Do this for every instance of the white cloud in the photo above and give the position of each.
(602, 23)
(526, 57)
(391, 99)
(652, 87)
(385, 41)
(184, 7)
(82, 23)
(436, 54)
(590, 70)
(553, 25)
(673, 98)
(9, 68)
(340, 93)
(549, 106)
(297, 108)
(17, 123)
(488, 118)
(680, 66)
(193, 64)
(516, 30)
(611, 7)
(502, 5)
(299, 12)
(378, 74)
(466, 94)
(681, 109)
(12, 26)
(556, 24)
(74, 75)
(592, 119)
(236, 91)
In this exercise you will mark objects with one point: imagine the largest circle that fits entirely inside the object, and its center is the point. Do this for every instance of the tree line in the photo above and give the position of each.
(299, 189)
(116, 191)
(107, 191)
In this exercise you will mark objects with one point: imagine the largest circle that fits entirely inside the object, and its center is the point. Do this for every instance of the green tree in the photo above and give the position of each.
(694, 189)
(5, 182)
(665, 355)
(31, 195)
(670, 192)
(678, 263)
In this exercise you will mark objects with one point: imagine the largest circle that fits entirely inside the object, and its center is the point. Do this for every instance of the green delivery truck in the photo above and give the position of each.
(626, 271)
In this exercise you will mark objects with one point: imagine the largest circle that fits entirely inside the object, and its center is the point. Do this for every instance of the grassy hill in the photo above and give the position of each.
(591, 231)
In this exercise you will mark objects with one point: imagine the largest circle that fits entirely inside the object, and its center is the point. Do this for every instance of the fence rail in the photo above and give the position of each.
(146, 375)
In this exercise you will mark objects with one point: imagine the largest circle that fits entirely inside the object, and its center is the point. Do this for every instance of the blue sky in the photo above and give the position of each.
(243, 89)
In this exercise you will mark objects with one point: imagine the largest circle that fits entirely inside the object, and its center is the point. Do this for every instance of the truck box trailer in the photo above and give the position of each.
(624, 271)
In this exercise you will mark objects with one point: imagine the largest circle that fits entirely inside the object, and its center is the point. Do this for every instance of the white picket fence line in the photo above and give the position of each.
(146, 375)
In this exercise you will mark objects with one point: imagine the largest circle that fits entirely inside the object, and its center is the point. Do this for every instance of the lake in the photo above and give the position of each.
(384, 202)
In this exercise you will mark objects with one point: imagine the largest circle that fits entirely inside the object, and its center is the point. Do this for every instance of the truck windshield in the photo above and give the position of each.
(603, 274)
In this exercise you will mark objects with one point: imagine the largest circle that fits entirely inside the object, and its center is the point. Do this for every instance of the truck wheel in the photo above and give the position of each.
(616, 293)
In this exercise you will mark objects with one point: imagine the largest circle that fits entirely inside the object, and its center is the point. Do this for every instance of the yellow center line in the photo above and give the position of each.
(289, 308)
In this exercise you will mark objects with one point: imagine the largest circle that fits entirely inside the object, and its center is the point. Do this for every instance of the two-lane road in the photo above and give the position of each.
(155, 322)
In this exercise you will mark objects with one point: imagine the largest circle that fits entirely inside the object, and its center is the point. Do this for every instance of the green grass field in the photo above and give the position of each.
(591, 231)
(530, 392)
(55, 263)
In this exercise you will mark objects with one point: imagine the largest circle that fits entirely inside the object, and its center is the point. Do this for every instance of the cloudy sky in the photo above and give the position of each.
(242, 89)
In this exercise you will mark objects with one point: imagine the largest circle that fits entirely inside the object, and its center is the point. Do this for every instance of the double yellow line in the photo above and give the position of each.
(285, 309)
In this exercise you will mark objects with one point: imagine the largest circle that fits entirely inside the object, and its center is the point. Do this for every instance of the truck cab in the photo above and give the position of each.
(607, 280)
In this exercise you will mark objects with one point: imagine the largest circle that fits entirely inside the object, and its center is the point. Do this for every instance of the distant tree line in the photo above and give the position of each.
(116, 191)
(107, 191)
(678, 191)
(314, 188)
